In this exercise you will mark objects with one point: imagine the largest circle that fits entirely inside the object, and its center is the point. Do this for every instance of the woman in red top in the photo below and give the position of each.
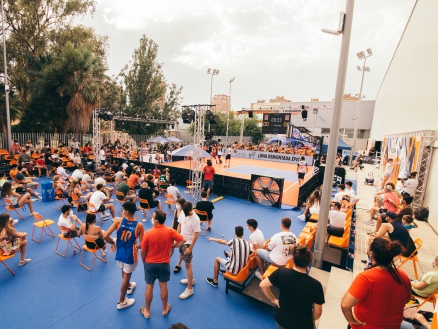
(378, 294)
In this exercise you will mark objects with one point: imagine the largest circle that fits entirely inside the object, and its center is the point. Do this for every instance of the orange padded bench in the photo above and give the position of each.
(238, 282)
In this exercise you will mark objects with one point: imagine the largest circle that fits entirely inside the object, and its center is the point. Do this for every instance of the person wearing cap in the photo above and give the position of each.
(68, 221)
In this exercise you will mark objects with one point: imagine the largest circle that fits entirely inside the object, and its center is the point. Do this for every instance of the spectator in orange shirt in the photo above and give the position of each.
(209, 173)
(134, 179)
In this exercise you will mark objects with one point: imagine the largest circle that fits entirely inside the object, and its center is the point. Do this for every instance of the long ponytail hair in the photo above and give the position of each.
(90, 219)
(384, 252)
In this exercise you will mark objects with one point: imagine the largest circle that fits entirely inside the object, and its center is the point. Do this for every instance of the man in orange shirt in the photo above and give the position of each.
(155, 247)
(209, 173)
(134, 180)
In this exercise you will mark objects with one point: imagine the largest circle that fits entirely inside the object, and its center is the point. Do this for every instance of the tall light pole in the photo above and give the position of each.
(344, 28)
(212, 73)
(242, 125)
(228, 113)
(361, 55)
(8, 115)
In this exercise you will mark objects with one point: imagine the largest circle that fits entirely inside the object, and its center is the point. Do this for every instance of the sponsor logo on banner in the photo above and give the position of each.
(270, 156)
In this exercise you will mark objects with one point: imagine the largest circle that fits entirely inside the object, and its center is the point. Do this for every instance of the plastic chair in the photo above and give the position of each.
(91, 250)
(121, 201)
(10, 206)
(85, 187)
(237, 282)
(413, 257)
(61, 200)
(76, 201)
(144, 205)
(6, 257)
(431, 299)
(70, 241)
(42, 223)
(203, 216)
(92, 210)
(170, 200)
(189, 186)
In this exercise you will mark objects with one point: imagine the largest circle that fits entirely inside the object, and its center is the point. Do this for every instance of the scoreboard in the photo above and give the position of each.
(275, 123)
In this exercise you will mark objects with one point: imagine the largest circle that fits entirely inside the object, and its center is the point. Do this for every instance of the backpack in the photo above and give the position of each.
(369, 179)
(421, 213)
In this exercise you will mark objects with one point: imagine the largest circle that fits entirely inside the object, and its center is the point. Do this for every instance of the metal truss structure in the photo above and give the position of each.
(96, 137)
(198, 139)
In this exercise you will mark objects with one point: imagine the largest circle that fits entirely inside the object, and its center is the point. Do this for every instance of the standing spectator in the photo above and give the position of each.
(129, 231)
(228, 157)
(189, 227)
(102, 155)
(389, 168)
(155, 247)
(236, 260)
(178, 209)
(410, 185)
(256, 239)
(279, 248)
(209, 173)
(207, 206)
(292, 312)
(378, 295)
(302, 170)
(144, 152)
(219, 153)
(49, 162)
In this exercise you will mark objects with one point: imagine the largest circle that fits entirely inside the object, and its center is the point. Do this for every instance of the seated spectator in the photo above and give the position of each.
(24, 158)
(406, 208)
(58, 184)
(408, 222)
(279, 248)
(293, 312)
(134, 180)
(14, 171)
(75, 188)
(341, 194)
(150, 182)
(129, 169)
(61, 171)
(26, 184)
(119, 175)
(98, 198)
(207, 206)
(90, 229)
(68, 222)
(40, 163)
(15, 147)
(78, 173)
(428, 283)
(87, 178)
(146, 193)
(173, 190)
(12, 241)
(100, 180)
(124, 188)
(237, 257)
(337, 220)
(312, 206)
(410, 185)
(256, 238)
(390, 203)
(16, 199)
(3, 178)
(357, 162)
(353, 198)
(77, 159)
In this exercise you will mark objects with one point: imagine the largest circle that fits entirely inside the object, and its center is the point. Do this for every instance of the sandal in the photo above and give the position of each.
(142, 312)
(167, 310)
(177, 269)
(24, 262)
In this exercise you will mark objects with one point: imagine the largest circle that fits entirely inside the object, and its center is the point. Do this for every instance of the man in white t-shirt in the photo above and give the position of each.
(410, 185)
(100, 180)
(302, 170)
(337, 220)
(102, 155)
(349, 188)
(228, 157)
(61, 172)
(68, 222)
(173, 190)
(256, 239)
(279, 248)
(189, 227)
(97, 200)
(341, 193)
(87, 178)
(78, 173)
(124, 165)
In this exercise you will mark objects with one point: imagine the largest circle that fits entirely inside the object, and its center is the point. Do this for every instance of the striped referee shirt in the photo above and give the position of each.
(238, 256)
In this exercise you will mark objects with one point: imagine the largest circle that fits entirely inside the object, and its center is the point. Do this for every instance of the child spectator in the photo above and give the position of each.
(408, 222)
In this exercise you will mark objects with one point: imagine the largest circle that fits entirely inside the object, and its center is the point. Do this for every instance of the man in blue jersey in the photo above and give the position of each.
(128, 231)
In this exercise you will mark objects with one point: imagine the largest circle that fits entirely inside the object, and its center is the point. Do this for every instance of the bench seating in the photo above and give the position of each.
(238, 282)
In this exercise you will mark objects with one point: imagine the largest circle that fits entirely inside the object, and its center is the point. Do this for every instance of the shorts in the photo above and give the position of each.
(20, 189)
(301, 175)
(129, 197)
(208, 184)
(99, 241)
(127, 268)
(101, 208)
(264, 256)
(336, 231)
(160, 271)
(72, 234)
(228, 157)
(186, 258)
(49, 166)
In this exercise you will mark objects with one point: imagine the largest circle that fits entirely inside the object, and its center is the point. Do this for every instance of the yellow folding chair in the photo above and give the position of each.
(70, 242)
(6, 257)
(42, 223)
(203, 216)
(10, 206)
(60, 198)
(413, 257)
(431, 299)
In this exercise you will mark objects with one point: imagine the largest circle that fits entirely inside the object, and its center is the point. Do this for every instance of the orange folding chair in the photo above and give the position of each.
(92, 210)
(169, 200)
(76, 201)
(413, 257)
(431, 299)
(84, 187)
(6, 257)
(94, 251)
(10, 206)
(146, 208)
(203, 216)
(120, 199)
(42, 223)
(70, 242)
(60, 199)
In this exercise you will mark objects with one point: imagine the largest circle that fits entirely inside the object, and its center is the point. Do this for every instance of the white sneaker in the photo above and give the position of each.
(186, 281)
(127, 302)
(103, 252)
(302, 217)
(187, 293)
(33, 199)
(15, 221)
(258, 275)
(369, 222)
(131, 288)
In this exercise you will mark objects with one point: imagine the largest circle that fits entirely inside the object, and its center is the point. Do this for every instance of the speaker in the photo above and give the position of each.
(250, 114)
(304, 114)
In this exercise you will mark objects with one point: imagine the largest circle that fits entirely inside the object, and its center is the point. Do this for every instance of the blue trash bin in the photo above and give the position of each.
(48, 192)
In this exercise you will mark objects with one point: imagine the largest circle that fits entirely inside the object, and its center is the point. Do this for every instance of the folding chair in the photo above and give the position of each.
(162, 186)
(76, 201)
(144, 205)
(93, 251)
(92, 210)
(70, 241)
(60, 199)
(203, 216)
(10, 206)
(42, 223)
(189, 186)
(431, 299)
(6, 257)
(413, 257)
(85, 187)
(170, 200)
(121, 201)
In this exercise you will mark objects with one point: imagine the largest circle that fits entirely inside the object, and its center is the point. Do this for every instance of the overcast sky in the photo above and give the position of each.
(271, 47)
